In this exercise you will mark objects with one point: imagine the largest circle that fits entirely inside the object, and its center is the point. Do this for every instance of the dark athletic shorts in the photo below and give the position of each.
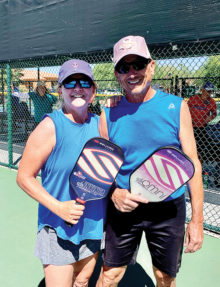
(163, 224)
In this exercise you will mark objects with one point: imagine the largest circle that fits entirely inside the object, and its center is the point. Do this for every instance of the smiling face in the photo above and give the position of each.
(136, 84)
(77, 98)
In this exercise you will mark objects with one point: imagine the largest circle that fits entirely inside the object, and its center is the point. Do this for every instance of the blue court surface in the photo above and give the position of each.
(19, 267)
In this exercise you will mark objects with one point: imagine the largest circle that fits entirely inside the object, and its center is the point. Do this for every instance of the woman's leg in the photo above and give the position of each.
(59, 276)
(72, 275)
(83, 270)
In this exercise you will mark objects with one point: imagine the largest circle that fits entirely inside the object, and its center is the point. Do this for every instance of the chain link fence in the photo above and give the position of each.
(181, 69)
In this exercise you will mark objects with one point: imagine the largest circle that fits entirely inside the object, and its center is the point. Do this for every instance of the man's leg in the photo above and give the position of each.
(165, 240)
(123, 236)
(163, 279)
(110, 276)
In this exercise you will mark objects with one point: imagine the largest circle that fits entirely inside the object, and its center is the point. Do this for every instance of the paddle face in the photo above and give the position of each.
(166, 170)
(96, 169)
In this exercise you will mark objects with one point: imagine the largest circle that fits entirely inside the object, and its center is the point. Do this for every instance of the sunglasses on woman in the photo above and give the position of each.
(138, 64)
(84, 83)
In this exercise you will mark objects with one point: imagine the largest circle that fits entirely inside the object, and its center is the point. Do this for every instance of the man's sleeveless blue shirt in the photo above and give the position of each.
(141, 128)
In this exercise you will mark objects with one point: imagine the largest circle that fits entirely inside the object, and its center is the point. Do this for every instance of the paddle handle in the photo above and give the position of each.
(78, 202)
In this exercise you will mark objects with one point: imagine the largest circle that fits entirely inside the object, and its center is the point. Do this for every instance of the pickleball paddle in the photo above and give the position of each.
(95, 170)
(161, 174)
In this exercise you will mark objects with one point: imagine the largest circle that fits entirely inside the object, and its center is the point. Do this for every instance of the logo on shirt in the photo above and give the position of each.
(171, 106)
(201, 108)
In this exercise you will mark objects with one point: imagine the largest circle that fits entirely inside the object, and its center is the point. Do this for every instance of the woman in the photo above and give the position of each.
(68, 254)
(43, 102)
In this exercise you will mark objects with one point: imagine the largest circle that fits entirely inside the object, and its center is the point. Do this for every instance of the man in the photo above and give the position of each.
(143, 121)
(16, 106)
(203, 109)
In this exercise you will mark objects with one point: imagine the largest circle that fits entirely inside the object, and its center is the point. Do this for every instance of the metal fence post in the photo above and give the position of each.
(9, 113)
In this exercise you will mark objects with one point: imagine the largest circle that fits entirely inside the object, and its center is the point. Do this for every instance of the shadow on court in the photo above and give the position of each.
(134, 273)
(136, 276)
(42, 283)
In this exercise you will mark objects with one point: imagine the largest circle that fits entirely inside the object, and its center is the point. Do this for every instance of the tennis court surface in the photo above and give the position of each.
(19, 267)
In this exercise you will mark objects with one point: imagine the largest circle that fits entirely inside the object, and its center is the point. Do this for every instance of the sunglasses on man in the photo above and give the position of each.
(138, 65)
(84, 83)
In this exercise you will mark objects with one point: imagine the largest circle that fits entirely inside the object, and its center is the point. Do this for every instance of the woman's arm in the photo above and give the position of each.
(38, 148)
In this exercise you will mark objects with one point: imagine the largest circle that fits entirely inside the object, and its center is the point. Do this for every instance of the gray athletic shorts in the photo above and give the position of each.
(51, 249)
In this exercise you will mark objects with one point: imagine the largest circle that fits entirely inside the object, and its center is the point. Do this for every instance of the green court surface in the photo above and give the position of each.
(19, 267)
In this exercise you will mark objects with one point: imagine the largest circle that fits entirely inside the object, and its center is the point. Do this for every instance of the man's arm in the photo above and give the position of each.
(190, 104)
(213, 111)
(103, 130)
(194, 231)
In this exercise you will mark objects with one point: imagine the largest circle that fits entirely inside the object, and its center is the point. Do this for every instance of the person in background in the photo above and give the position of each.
(145, 120)
(43, 101)
(15, 105)
(203, 109)
(68, 254)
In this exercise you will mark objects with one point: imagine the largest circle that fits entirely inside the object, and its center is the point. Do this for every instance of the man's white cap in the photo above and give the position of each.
(130, 45)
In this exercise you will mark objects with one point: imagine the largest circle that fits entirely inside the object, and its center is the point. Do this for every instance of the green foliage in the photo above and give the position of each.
(209, 71)
(212, 69)
(15, 76)
(104, 76)
(165, 74)
(167, 71)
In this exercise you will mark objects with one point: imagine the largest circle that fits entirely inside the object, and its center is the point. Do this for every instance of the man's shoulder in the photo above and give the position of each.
(195, 97)
(168, 97)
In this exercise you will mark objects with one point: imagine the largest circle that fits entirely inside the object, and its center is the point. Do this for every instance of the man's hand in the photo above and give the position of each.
(113, 101)
(193, 237)
(125, 201)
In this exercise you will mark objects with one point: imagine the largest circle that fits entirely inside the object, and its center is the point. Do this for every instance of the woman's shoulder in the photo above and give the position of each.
(43, 133)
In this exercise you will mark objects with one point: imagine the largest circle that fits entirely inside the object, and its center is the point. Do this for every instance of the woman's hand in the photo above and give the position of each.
(70, 211)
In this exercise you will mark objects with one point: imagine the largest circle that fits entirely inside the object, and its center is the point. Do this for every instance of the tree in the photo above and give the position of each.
(104, 76)
(15, 76)
(211, 69)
